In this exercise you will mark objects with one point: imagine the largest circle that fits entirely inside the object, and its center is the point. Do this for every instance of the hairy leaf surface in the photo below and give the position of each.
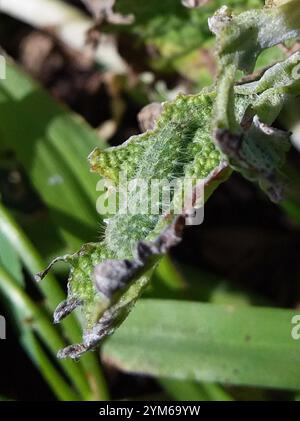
(199, 137)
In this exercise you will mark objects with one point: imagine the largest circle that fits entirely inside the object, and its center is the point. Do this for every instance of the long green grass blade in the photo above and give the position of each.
(206, 342)
(10, 260)
(39, 322)
(53, 294)
(51, 144)
(53, 378)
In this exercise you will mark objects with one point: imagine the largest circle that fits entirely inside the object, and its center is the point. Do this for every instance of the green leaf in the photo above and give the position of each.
(45, 366)
(180, 35)
(179, 147)
(107, 277)
(19, 246)
(28, 312)
(292, 208)
(10, 259)
(241, 38)
(52, 145)
(205, 342)
(188, 390)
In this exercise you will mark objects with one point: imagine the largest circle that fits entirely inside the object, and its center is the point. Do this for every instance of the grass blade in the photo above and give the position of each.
(206, 342)
(36, 317)
(53, 294)
(53, 151)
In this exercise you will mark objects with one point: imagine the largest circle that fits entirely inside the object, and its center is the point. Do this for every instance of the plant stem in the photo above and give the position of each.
(68, 23)
(53, 294)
